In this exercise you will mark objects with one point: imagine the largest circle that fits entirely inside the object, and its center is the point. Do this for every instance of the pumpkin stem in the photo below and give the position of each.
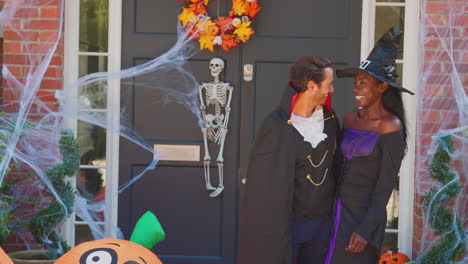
(148, 231)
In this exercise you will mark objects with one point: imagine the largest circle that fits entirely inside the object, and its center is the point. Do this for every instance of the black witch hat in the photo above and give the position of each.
(381, 61)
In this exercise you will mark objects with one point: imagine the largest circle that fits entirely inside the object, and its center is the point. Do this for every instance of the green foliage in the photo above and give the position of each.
(435, 207)
(42, 225)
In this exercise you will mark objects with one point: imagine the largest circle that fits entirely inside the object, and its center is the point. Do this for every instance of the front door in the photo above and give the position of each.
(201, 229)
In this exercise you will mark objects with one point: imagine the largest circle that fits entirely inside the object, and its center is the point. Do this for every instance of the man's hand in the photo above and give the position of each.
(357, 243)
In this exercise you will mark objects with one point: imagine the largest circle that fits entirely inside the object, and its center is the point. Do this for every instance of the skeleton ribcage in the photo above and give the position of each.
(216, 94)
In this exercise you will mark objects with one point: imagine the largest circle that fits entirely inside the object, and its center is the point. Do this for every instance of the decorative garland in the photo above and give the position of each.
(436, 206)
(226, 32)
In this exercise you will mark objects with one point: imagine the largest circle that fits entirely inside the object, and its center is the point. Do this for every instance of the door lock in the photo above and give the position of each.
(248, 72)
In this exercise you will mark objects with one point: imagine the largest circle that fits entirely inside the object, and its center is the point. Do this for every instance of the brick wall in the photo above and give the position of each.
(444, 76)
(28, 38)
(30, 31)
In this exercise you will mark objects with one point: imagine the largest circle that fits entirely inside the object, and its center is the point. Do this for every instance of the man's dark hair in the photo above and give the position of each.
(305, 69)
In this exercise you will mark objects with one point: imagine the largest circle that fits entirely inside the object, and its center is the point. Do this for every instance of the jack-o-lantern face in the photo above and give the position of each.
(109, 251)
(393, 257)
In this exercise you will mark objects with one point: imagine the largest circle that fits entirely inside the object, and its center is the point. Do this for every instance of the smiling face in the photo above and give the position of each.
(367, 90)
(109, 251)
(320, 92)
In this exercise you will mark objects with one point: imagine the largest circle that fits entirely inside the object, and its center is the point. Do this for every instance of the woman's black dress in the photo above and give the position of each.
(370, 173)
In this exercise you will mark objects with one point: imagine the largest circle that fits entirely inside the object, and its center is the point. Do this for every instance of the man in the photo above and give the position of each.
(290, 185)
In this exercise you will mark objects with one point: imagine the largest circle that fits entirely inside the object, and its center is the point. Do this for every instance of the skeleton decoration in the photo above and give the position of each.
(215, 105)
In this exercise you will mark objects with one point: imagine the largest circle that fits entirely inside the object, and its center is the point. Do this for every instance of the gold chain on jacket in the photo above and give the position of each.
(309, 177)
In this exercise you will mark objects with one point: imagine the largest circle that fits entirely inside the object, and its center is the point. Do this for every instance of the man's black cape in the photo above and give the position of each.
(266, 210)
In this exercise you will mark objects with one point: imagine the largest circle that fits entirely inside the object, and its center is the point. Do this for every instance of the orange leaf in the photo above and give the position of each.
(187, 16)
(228, 42)
(206, 42)
(224, 23)
(239, 7)
(244, 31)
(210, 28)
(253, 9)
(198, 8)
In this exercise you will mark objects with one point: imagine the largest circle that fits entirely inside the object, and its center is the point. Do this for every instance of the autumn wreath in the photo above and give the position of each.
(226, 32)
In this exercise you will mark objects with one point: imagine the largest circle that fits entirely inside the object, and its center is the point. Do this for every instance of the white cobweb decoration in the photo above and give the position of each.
(441, 142)
(31, 126)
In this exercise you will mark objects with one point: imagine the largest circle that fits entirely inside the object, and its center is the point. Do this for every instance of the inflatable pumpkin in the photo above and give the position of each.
(4, 259)
(147, 233)
(392, 256)
(109, 251)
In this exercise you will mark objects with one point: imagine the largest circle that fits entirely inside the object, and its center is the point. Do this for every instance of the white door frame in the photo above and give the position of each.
(71, 60)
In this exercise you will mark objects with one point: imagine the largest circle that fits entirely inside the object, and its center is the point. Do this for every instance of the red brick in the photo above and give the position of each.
(444, 32)
(10, 95)
(432, 43)
(438, 79)
(432, 67)
(11, 23)
(460, 20)
(41, 24)
(10, 35)
(15, 59)
(56, 60)
(438, 20)
(12, 47)
(37, 48)
(48, 36)
(461, 68)
(53, 73)
(15, 70)
(459, 44)
(436, 55)
(27, 12)
(46, 96)
(51, 84)
(437, 8)
(439, 103)
(451, 116)
(49, 12)
(430, 116)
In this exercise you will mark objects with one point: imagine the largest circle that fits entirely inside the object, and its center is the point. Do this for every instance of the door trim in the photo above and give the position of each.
(71, 62)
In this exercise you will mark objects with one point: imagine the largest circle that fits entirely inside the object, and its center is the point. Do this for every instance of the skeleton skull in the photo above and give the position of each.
(216, 66)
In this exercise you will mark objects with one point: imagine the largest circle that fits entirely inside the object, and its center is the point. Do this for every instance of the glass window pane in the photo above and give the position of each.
(386, 17)
(92, 140)
(91, 184)
(390, 241)
(83, 234)
(94, 25)
(399, 71)
(392, 210)
(92, 64)
(93, 96)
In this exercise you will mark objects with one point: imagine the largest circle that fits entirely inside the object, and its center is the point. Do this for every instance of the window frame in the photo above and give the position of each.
(71, 72)
(411, 66)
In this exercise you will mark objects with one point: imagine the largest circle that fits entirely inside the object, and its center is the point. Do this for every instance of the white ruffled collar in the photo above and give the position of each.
(311, 128)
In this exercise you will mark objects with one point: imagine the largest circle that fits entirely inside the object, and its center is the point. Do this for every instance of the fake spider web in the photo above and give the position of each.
(34, 124)
(441, 142)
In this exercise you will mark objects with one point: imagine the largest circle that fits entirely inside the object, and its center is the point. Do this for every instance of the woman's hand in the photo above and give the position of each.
(357, 243)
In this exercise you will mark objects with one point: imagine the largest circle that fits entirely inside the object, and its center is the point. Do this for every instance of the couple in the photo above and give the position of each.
(313, 196)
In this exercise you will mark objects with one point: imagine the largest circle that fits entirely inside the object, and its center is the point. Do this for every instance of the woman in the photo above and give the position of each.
(373, 145)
